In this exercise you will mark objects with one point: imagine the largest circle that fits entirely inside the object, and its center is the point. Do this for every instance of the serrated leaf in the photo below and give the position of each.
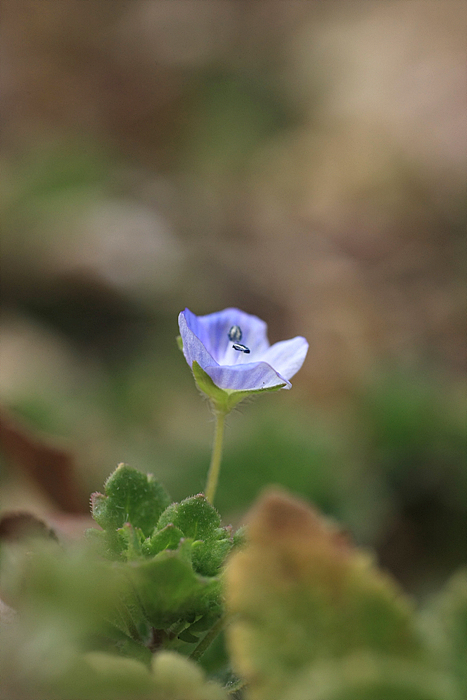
(208, 556)
(194, 516)
(198, 520)
(130, 496)
(299, 581)
(169, 589)
(167, 538)
(131, 541)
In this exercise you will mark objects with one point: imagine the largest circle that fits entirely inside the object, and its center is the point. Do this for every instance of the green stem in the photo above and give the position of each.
(214, 467)
(209, 637)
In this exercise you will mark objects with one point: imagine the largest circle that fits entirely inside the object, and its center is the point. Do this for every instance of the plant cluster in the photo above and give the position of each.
(165, 603)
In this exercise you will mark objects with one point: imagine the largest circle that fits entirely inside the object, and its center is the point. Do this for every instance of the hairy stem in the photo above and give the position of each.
(216, 456)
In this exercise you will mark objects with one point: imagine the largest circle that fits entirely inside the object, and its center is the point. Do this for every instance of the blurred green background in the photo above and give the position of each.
(304, 161)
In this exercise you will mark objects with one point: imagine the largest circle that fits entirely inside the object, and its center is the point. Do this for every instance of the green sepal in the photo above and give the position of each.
(224, 400)
(219, 397)
(130, 496)
(179, 342)
(167, 538)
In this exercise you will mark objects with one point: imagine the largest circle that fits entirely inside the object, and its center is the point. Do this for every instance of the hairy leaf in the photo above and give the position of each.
(169, 589)
(303, 596)
(195, 517)
(130, 497)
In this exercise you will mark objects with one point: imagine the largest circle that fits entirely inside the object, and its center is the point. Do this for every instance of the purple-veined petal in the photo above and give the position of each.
(287, 356)
(206, 341)
(252, 376)
(212, 330)
(193, 347)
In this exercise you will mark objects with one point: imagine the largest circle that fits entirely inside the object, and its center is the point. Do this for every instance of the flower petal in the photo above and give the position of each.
(252, 376)
(206, 342)
(212, 330)
(193, 348)
(287, 356)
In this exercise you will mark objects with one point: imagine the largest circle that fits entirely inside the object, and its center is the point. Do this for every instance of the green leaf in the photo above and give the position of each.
(444, 624)
(111, 676)
(198, 520)
(131, 541)
(209, 556)
(194, 516)
(64, 596)
(454, 614)
(73, 600)
(102, 676)
(167, 538)
(130, 497)
(179, 678)
(369, 676)
(299, 581)
(169, 589)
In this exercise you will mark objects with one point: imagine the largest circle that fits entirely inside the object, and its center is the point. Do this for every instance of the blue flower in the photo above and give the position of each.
(207, 345)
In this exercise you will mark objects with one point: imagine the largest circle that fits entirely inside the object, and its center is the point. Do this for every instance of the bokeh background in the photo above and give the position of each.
(302, 160)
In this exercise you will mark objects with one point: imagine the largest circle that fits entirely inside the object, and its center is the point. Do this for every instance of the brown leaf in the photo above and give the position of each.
(50, 467)
(16, 525)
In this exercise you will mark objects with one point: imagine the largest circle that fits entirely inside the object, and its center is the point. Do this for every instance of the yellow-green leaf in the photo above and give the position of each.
(302, 596)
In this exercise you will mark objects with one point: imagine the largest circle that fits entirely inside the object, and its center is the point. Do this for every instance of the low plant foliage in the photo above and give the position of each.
(292, 609)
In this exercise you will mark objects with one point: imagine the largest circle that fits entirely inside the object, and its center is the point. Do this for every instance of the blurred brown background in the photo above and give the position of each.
(303, 160)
